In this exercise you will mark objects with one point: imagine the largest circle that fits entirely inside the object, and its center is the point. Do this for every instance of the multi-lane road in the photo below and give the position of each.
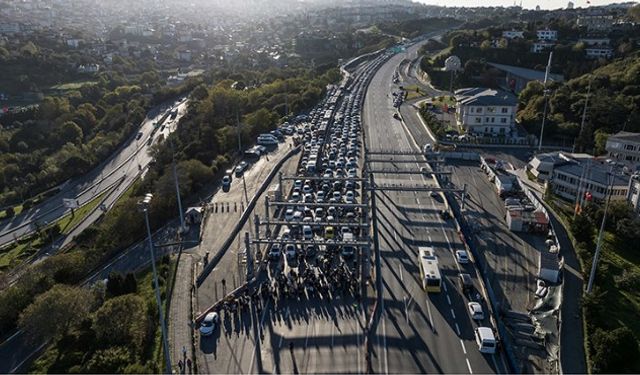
(416, 332)
(112, 176)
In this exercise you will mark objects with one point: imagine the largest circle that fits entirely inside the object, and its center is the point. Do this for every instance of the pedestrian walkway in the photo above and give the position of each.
(180, 317)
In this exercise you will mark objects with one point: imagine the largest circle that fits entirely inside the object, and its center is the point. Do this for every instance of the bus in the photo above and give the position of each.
(429, 270)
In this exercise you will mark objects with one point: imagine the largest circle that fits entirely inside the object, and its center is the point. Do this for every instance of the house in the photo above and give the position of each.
(592, 178)
(73, 43)
(9, 28)
(633, 195)
(517, 78)
(541, 165)
(547, 34)
(624, 147)
(598, 53)
(539, 47)
(89, 68)
(484, 111)
(513, 34)
(596, 22)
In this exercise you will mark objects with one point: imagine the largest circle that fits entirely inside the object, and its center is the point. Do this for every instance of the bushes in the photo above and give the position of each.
(614, 351)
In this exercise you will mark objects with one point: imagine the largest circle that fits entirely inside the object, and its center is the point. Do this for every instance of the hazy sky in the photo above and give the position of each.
(529, 4)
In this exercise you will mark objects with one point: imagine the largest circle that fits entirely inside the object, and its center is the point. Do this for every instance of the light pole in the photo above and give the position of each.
(596, 255)
(546, 100)
(143, 205)
(175, 181)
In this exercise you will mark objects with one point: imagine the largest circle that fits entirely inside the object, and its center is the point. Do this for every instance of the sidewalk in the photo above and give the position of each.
(180, 315)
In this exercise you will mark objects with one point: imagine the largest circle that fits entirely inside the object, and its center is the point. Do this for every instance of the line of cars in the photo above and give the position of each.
(329, 174)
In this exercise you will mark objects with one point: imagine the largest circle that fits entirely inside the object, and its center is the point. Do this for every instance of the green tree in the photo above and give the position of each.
(109, 361)
(614, 351)
(122, 321)
(582, 229)
(67, 132)
(54, 312)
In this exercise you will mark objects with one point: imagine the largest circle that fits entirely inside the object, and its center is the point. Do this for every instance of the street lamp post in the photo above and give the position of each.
(546, 100)
(175, 181)
(596, 255)
(144, 207)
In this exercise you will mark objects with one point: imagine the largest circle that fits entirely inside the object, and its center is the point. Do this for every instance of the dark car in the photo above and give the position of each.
(466, 283)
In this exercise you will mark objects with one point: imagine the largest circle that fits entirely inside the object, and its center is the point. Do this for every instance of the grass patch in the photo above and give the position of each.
(414, 92)
(16, 209)
(73, 85)
(68, 222)
(16, 253)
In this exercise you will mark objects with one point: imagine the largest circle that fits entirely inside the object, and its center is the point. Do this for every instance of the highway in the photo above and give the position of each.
(114, 175)
(416, 333)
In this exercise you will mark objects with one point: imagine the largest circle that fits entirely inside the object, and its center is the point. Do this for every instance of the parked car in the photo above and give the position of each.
(209, 323)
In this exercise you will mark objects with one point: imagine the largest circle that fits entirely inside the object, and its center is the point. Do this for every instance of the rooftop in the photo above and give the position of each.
(485, 96)
(626, 136)
(596, 172)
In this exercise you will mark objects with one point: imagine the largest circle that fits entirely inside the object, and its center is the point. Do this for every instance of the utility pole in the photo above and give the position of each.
(596, 256)
(546, 99)
(175, 181)
(144, 207)
(584, 115)
(238, 131)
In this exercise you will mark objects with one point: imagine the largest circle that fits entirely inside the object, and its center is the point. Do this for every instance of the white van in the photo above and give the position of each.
(486, 340)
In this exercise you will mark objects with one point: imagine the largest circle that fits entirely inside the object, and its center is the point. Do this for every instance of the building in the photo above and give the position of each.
(596, 22)
(570, 5)
(541, 166)
(517, 78)
(592, 178)
(598, 53)
(513, 34)
(484, 111)
(184, 55)
(73, 43)
(624, 147)
(89, 68)
(547, 34)
(595, 42)
(9, 28)
(539, 47)
(633, 195)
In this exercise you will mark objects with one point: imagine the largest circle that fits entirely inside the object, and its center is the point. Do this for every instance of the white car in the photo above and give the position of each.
(475, 310)
(462, 257)
(209, 323)
(290, 250)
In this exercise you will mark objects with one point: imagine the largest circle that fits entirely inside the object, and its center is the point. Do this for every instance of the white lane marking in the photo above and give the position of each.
(453, 314)
(469, 366)
(458, 330)
(433, 328)
(464, 350)
(430, 240)
(417, 201)
(448, 299)
(444, 285)
(401, 274)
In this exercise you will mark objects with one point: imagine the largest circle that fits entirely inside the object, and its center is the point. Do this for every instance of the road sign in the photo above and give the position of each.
(70, 203)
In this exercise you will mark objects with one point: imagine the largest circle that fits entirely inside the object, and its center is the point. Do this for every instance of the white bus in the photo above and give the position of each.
(429, 270)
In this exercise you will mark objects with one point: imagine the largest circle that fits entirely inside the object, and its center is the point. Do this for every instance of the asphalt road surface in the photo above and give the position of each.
(417, 333)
